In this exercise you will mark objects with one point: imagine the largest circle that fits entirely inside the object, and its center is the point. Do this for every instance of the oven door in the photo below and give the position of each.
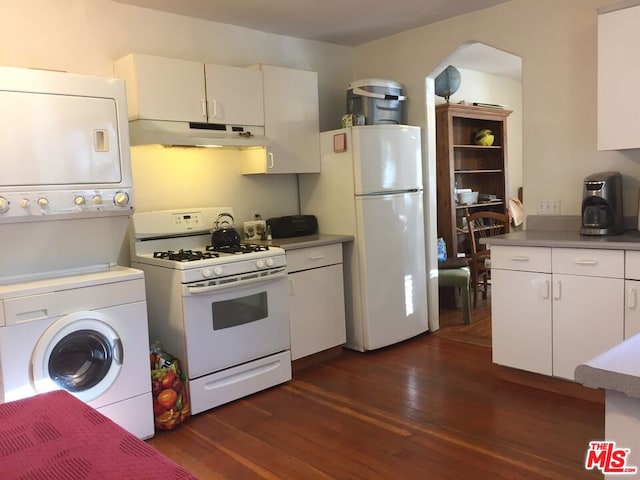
(227, 325)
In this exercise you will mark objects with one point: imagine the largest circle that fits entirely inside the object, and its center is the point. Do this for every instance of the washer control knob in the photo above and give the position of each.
(121, 199)
(270, 262)
(4, 205)
(206, 272)
(97, 200)
(24, 203)
(79, 200)
(260, 263)
(43, 202)
(218, 271)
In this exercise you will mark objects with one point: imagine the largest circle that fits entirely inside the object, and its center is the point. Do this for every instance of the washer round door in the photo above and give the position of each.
(80, 353)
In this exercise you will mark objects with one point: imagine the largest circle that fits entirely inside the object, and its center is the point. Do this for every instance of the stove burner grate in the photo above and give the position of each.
(243, 248)
(185, 255)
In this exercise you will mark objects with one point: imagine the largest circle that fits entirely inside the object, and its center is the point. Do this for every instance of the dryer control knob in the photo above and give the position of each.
(270, 262)
(79, 200)
(4, 205)
(121, 199)
(43, 202)
(97, 200)
(260, 263)
(206, 273)
(24, 203)
(218, 271)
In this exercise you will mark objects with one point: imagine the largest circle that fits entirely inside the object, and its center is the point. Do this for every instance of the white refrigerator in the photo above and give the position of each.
(370, 186)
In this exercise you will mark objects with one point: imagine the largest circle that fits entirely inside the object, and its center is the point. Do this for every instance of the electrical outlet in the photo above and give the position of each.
(548, 207)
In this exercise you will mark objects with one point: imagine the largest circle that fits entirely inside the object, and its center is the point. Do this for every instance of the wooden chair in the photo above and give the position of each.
(480, 225)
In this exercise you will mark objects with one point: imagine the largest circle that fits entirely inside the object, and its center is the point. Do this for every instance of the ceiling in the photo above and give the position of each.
(331, 21)
(348, 23)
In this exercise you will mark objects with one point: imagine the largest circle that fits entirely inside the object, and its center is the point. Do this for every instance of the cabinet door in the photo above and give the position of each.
(291, 120)
(521, 320)
(618, 70)
(234, 95)
(316, 301)
(160, 88)
(587, 319)
(631, 308)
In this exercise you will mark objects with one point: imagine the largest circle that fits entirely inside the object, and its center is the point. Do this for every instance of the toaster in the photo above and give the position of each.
(293, 226)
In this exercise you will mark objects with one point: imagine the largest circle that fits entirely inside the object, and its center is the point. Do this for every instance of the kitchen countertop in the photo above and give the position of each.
(305, 241)
(616, 369)
(629, 240)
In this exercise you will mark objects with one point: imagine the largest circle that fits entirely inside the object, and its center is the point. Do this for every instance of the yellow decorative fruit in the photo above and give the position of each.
(484, 137)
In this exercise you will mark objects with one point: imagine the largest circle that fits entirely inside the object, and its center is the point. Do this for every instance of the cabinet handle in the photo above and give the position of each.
(557, 290)
(519, 258)
(203, 108)
(632, 302)
(292, 290)
(214, 109)
(586, 262)
(316, 257)
(546, 288)
(270, 160)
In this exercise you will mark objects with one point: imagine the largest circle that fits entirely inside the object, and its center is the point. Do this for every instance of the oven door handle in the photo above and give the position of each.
(249, 281)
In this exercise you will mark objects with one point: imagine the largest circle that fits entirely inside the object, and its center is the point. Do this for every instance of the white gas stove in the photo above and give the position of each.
(223, 312)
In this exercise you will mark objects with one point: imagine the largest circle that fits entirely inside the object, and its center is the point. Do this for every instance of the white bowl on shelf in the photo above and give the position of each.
(467, 198)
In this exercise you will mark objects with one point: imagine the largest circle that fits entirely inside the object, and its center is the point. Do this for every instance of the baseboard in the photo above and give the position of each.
(316, 358)
(551, 384)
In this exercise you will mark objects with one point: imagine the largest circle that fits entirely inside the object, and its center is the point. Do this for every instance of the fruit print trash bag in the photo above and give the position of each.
(168, 388)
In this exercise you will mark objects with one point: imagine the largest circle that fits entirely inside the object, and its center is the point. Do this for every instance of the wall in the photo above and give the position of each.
(85, 36)
(556, 40)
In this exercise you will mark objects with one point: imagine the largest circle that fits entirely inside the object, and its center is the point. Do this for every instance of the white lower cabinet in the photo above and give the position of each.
(316, 299)
(632, 294)
(555, 308)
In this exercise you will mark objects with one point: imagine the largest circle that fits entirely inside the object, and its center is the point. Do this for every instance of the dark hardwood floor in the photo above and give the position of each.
(433, 407)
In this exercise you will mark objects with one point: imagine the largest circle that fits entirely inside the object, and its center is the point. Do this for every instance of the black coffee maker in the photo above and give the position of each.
(602, 204)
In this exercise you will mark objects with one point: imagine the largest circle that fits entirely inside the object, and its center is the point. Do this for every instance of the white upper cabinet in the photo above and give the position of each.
(234, 95)
(291, 122)
(170, 89)
(618, 74)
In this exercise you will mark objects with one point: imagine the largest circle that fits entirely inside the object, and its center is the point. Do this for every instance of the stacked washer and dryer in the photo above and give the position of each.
(71, 317)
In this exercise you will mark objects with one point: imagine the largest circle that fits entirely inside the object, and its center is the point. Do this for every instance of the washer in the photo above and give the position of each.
(87, 334)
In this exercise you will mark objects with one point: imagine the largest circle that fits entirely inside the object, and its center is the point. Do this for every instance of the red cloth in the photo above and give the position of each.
(55, 436)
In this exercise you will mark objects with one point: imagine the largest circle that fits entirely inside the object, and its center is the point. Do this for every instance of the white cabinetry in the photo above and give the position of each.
(618, 71)
(169, 89)
(291, 124)
(632, 294)
(556, 320)
(316, 299)
(521, 308)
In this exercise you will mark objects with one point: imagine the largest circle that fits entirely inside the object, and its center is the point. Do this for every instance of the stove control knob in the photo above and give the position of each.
(79, 200)
(4, 205)
(270, 262)
(121, 199)
(260, 263)
(206, 273)
(24, 203)
(43, 202)
(218, 271)
(97, 200)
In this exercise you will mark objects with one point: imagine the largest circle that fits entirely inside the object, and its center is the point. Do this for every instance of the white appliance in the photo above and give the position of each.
(223, 312)
(86, 334)
(370, 186)
(66, 171)
(69, 315)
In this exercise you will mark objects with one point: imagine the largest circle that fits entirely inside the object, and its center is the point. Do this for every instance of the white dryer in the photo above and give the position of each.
(86, 334)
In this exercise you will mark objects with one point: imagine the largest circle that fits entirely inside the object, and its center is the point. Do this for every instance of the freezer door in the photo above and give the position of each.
(386, 158)
(392, 276)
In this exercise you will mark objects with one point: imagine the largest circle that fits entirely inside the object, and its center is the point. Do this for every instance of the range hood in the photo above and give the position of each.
(190, 134)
